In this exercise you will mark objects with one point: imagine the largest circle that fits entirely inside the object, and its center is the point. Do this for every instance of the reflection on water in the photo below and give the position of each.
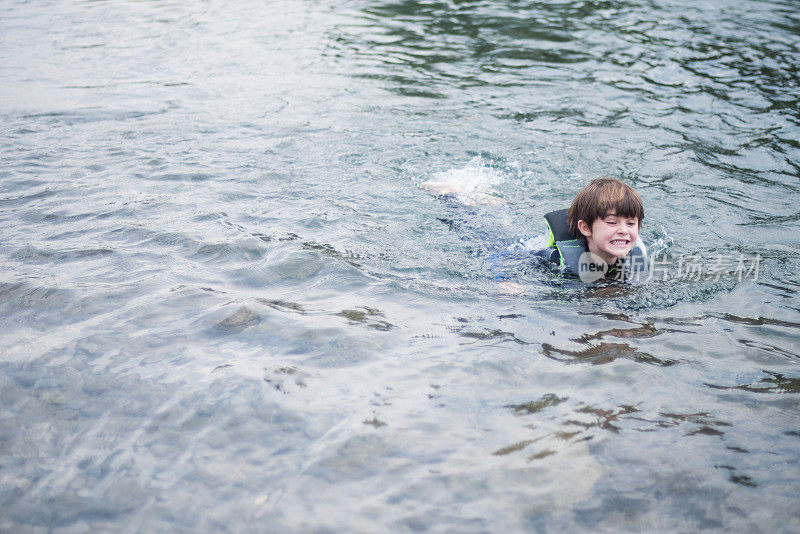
(225, 304)
(603, 352)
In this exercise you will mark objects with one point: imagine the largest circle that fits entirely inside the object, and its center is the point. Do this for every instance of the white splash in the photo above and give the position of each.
(475, 182)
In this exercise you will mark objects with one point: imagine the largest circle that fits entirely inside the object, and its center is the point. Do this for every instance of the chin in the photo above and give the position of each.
(620, 255)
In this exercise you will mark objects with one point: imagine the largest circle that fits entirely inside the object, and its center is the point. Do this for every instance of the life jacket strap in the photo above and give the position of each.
(569, 253)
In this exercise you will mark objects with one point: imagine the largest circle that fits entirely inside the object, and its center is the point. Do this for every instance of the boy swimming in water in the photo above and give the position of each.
(597, 237)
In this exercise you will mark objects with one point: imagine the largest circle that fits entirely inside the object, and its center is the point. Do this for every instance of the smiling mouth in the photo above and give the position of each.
(620, 242)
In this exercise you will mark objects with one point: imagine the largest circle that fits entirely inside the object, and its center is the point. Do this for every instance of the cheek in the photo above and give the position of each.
(601, 229)
(609, 231)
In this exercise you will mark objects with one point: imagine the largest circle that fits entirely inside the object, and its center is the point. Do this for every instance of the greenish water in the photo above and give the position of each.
(226, 305)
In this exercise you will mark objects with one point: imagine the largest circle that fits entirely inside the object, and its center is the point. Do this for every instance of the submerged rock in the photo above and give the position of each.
(239, 320)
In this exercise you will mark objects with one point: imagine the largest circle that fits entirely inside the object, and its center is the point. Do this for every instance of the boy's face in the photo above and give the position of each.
(612, 236)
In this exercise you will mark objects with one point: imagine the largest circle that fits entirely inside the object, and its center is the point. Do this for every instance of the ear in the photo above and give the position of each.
(584, 228)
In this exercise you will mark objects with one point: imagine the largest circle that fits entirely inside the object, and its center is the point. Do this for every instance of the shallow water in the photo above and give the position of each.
(227, 305)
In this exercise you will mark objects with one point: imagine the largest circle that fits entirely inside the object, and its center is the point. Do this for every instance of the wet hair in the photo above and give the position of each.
(601, 197)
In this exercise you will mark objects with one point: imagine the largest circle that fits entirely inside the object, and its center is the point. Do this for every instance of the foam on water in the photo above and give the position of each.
(476, 178)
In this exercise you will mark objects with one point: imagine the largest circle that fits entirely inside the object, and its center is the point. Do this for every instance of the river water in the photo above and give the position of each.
(227, 305)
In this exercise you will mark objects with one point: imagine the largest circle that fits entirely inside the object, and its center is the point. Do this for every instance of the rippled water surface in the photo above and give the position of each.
(226, 304)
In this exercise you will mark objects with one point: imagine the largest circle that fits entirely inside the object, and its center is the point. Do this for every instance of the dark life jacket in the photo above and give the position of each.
(570, 251)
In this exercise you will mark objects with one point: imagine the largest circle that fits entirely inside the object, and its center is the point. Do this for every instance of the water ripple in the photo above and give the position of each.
(225, 301)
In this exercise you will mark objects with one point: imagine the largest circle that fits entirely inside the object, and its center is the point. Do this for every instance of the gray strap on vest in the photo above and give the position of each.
(570, 254)
(635, 267)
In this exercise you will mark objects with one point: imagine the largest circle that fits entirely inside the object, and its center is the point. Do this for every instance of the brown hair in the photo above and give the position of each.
(599, 198)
